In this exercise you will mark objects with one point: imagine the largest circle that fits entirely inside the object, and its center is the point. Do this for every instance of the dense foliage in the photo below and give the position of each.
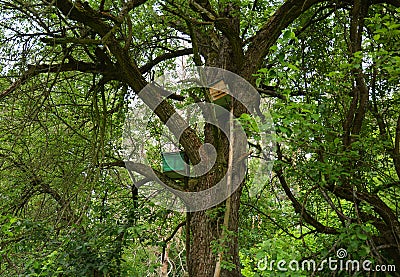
(327, 71)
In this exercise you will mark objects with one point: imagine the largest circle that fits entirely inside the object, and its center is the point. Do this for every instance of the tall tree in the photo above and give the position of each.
(109, 48)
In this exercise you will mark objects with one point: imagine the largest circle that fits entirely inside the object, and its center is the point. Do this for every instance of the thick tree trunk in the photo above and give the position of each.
(206, 229)
(207, 235)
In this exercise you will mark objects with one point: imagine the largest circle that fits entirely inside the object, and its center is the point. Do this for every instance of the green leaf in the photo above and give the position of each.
(292, 66)
(362, 236)
(286, 34)
(281, 57)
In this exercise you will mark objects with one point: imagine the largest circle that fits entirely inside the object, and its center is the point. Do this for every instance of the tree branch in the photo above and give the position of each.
(166, 56)
(180, 225)
(204, 8)
(183, 223)
(301, 210)
(298, 207)
(272, 93)
(277, 224)
(130, 5)
(35, 70)
(131, 74)
(270, 32)
(78, 41)
(82, 13)
(146, 171)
